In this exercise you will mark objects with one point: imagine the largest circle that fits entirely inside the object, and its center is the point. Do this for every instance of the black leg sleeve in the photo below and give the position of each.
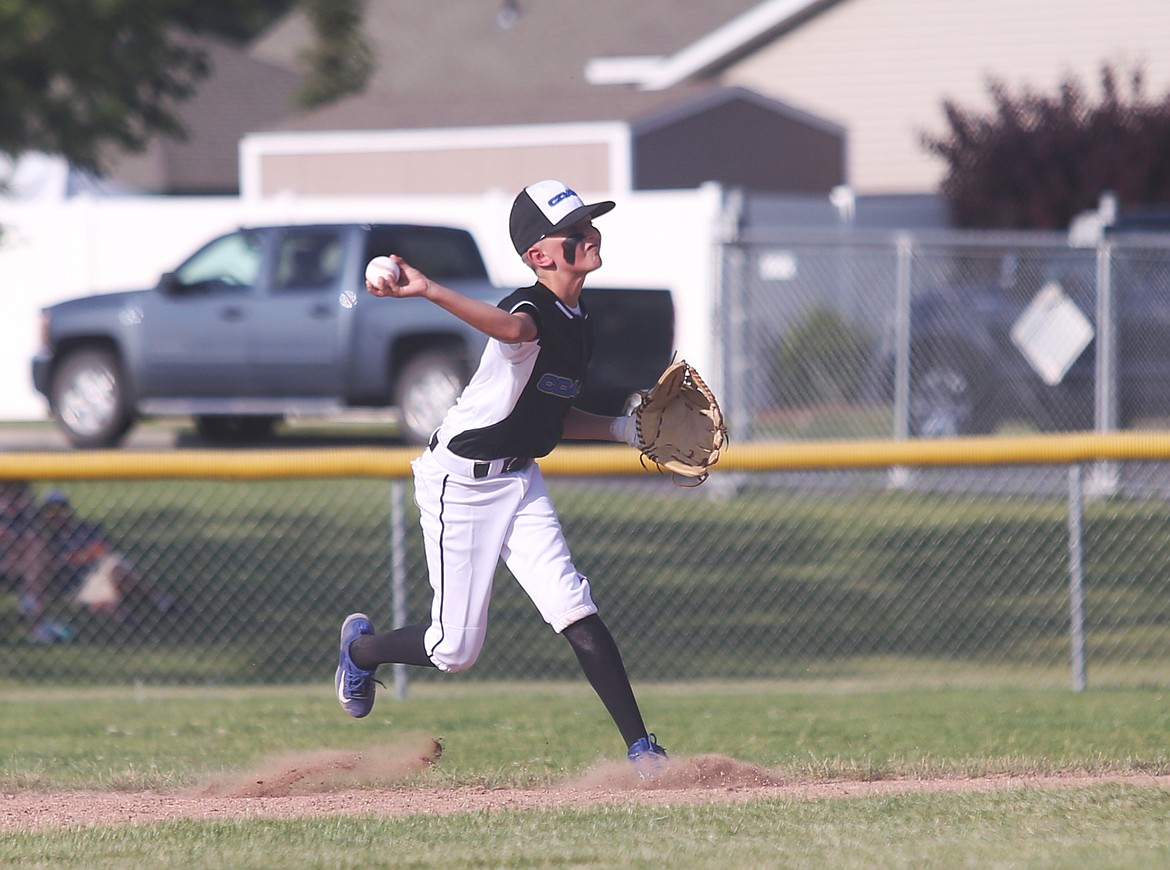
(403, 646)
(602, 663)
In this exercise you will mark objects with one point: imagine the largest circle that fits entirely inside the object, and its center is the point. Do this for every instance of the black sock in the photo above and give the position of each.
(403, 646)
(602, 663)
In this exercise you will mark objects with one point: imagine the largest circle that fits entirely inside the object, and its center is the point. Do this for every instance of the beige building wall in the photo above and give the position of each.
(468, 171)
(882, 68)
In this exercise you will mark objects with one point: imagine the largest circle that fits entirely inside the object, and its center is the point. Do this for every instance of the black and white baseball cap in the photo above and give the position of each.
(547, 207)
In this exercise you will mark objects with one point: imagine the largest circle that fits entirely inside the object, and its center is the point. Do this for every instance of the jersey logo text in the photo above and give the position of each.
(555, 385)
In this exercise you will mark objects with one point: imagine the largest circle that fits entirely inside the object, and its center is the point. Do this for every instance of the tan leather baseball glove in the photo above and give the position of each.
(680, 425)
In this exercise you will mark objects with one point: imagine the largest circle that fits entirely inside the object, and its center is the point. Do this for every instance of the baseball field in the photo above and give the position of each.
(474, 774)
(902, 697)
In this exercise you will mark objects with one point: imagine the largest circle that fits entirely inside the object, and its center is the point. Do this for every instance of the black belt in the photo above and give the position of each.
(480, 470)
(515, 463)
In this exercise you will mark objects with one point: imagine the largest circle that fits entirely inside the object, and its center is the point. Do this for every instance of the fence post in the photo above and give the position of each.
(1104, 478)
(899, 477)
(902, 278)
(732, 318)
(1105, 376)
(398, 574)
(1076, 578)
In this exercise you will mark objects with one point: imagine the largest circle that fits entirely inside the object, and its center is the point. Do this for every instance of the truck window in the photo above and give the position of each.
(308, 259)
(232, 260)
(442, 253)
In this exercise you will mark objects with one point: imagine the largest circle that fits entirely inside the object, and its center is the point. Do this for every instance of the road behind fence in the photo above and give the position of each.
(1033, 561)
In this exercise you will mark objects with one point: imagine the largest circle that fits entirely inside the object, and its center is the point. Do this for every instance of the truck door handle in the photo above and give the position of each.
(320, 311)
(231, 312)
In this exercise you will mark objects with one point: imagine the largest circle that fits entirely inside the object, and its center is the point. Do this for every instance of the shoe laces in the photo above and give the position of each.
(357, 682)
(646, 747)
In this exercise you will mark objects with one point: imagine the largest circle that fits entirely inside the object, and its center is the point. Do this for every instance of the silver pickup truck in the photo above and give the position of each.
(267, 322)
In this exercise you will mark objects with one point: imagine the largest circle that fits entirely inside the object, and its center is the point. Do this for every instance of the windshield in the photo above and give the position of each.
(232, 260)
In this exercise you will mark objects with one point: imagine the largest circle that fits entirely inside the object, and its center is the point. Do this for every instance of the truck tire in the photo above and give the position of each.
(427, 387)
(232, 429)
(88, 399)
(949, 395)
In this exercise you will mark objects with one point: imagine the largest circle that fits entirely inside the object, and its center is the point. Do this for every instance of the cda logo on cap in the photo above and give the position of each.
(548, 207)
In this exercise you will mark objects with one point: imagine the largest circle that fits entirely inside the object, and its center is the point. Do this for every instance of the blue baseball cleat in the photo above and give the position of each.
(355, 687)
(648, 758)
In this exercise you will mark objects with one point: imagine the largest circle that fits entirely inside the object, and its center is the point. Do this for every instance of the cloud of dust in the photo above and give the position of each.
(325, 770)
(698, 772)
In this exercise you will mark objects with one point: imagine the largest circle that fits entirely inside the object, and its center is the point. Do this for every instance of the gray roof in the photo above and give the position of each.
(241, 94)
(452, 64)
(464, 63)
(639, 109)
(457, 48)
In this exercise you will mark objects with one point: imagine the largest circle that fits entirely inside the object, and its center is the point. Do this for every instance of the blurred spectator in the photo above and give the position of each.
(89, 571)
(25, 556)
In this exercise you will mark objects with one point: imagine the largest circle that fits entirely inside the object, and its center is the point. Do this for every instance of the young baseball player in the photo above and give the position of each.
(481, 495)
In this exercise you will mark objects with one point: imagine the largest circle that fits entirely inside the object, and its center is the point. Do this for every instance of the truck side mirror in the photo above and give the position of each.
(168, 284)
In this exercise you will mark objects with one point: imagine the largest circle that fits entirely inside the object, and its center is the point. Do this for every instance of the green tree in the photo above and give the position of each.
(76, 77)
(1035, 161)
(80, 78)
(340, 61)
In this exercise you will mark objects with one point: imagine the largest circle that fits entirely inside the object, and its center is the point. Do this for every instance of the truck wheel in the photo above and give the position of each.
(427, 387)
(223, 429)
(88, 399)
(948, 395)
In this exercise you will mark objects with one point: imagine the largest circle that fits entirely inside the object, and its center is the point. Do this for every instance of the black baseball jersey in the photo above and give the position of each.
(516, 402)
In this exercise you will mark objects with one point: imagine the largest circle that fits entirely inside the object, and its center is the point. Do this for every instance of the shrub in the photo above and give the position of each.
(822, 359)
(1035, 161)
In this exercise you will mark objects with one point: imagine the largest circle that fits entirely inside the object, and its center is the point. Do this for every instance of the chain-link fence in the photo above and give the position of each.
(948, 576)
(1037, 575)
(850, 334)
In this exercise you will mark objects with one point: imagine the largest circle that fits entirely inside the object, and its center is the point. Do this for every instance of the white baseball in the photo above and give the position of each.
(382, 267)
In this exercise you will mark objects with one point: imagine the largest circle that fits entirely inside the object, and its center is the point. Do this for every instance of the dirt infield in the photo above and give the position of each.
(338, 783)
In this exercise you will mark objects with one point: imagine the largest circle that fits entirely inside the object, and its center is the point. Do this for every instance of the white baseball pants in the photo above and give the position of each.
(468, 525)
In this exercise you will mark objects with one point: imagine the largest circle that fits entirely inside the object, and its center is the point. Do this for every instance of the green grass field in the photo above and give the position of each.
(542, 735)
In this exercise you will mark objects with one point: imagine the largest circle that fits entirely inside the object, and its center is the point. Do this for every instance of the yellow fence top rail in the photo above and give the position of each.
(573, 460)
